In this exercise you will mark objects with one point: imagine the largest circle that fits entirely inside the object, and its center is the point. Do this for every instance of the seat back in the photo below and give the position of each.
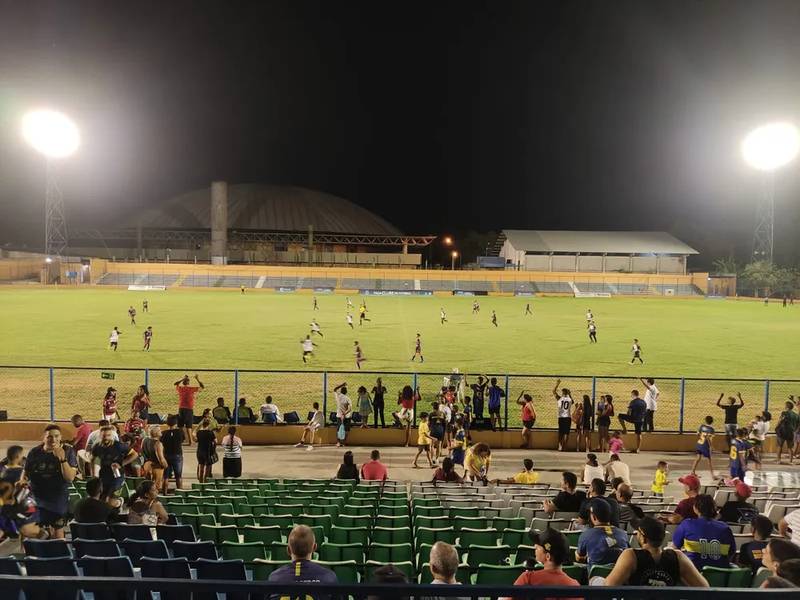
(135, 550)
(490, 555)
(123, 531)
(96, 566)
(193, 551)
(728, 577)
(47, 548)
(95, 548)
(167, 568)
(51, 567)
(498, 574)
(229, 570)
(171, 533)
(90, 531)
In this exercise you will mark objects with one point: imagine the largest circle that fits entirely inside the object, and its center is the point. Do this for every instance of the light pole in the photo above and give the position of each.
(54, 136)
(453, 256)
(767, 149)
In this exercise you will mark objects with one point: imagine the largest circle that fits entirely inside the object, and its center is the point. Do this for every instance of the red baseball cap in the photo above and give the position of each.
(691, 481)
(743, 490)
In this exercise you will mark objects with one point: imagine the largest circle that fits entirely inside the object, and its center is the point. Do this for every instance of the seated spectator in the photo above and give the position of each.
(388, 574)
(568, 499)
(597, 489)
(615, 468)
(751, 553)
(706, 541)
(685, 508)
(614, 483)
(444, 565)
(739, 510)
(592, 470)
(790, 570)
(652, 566)
(270, 413)
(221, 413)
(348, 468)
(525, 477)
(789, 526)
(602, 543)
(775, 582)
(777, 551)
(447, 472)
(144, 507)
(552, 550)
(301, 545)
(213, 424)
(628, 511)
(13, 465)
(245, 413)
(374, 470)
(92, 508)
(316, 421)
(82, 432)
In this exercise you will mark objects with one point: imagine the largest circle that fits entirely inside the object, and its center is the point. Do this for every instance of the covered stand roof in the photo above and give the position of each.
(596, 242)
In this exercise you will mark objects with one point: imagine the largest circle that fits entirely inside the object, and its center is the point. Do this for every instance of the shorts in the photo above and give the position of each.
(529, 424)
(437, 432)
(48, 518)
(637, 425)
(730, 428)
(784, 440)
(174, 467)
(458, 457)
(604, 421)
(737, 472)
(185, 417)
(423, 446)
(564, 425)
(494, 410)
(406, 414)
(703, 450)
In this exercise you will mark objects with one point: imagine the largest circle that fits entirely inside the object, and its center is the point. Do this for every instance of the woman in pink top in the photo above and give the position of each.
(615, 444)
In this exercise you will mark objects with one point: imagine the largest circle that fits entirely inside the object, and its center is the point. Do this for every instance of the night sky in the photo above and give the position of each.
(439, 116)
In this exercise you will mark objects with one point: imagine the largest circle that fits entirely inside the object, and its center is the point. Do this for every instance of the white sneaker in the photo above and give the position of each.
(310, 448)
(299, 445)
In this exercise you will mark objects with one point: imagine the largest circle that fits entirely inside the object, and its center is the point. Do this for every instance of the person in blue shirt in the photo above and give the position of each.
(738, 454)
(706, 541)
(636, 412)
(301, 545)
(602, 543)
(702, 449)
(495, 393)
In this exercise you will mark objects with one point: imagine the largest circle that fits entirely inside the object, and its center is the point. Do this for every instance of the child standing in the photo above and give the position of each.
(705, 433)
(660, 478)
(424, 440)
(738, 455)
(615, 444)
(364, 406)
(459, 443)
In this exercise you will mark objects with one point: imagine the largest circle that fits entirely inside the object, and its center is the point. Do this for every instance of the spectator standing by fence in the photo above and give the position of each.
(140, 403)
(564, 404)
(110, 412)
(605, 410)
(172, 439)
(407, 399)
(153, 454)
(186, 398)
(786, 430)
(344, 408)
(636, 412)
(496, 393)
(731, 415)
(206, 450)
(528, 417)
(378, 393)
(232, 454)
(49, 469)
(651, 402)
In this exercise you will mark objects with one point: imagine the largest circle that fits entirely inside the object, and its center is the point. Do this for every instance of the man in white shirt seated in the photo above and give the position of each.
(789, 526)
(270, 408)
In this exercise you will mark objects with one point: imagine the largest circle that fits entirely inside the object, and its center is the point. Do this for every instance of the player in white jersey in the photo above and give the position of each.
(592, 333)
(636, 350)
(349, 303)
(308, 347)
(476, 308)
(350, 320)
(564, 404)
(315, 328)
(442, 316)
(589, 315)
(113, 339)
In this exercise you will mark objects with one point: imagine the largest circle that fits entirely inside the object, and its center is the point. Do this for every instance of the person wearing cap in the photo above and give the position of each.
(739, 510)
(649, 565)
(602, 543)
(706, 541)
(685, 508)
(551, 550)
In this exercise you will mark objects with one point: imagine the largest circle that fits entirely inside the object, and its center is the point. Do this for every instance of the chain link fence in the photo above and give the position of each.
(57, 393)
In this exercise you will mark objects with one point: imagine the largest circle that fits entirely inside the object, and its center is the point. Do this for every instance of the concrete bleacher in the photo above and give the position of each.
(138, 279)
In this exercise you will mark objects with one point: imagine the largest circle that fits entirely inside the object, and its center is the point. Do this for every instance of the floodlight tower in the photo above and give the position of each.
(54, 136)
(767, 149)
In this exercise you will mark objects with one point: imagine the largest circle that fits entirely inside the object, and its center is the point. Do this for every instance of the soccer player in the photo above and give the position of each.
(476, 308)
(349, 303)
(359, 355)
(350, 320)
(148, 336)
(495, 393)
(418, 350)
(494, 318)
(705, 433)
(528, 310)
(592, 333)
(145, 306)
(362, 314)
(589, 315)
(242, 288)
(316, 306)
(308, 347)
(315, 328)
(113, 339)
(442, 316)
(636, 349)
(132, 315)
(564, 404)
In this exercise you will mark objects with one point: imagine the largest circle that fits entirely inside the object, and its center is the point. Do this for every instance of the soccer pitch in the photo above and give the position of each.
(227, 330)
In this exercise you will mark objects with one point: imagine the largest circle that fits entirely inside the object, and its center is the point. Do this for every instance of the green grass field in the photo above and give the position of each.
(222, 329)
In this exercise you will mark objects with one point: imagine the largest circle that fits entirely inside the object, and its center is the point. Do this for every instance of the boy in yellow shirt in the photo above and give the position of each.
(424, 440)
(660, 478)
(525, 477)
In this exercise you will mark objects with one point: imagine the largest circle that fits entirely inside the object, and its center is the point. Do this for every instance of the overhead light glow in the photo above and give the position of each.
(50, 132)
(771, 146)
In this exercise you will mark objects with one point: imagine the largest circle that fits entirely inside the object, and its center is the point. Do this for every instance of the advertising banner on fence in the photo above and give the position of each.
(285, 290)
(395, 292)
(323, 290)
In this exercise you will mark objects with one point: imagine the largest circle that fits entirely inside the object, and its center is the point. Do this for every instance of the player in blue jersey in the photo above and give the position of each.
(705, 433)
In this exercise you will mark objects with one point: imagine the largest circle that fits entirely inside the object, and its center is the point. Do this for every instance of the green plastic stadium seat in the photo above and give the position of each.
(470, 522)
(734, 577)
(196, 520)
(760, 577)
(391, 553)
(428, 511)
(237, 520)
(427, 535)
(498, 574)
(426, 502)
(346, 571)
(464, 511)
(597, 570)
(247, 552)
(477, 537)
(432, 522)
(514, 537)
(263, 568)
(265, 535)
(236, 501)
(382, 520)
(387, 535)
(340, 552)
(580, 574)
(354, 520)
(524, 553)
(219, 508)
(288, 509)
(392, 510)
(349, 535)
(281, 520)
(219, 533)
(323, 521)
(572, 536)
(332, 510)
(489, 555)
(260, 508)
(503, 523)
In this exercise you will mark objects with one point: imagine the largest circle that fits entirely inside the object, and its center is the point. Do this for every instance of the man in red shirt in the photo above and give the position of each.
(552, 549)
(685, 508)
(78, 443)
(374, 470)
(186, 396)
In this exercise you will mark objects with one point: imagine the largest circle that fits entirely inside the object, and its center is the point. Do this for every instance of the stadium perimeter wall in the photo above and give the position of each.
(101, 266)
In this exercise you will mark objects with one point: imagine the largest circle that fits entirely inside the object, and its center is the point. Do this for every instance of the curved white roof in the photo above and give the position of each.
(596, 242)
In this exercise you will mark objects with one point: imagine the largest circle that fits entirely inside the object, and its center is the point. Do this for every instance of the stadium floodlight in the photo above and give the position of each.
(453, 256)
(51, 133)
(55, 136)
(768, 148)
(447, 240)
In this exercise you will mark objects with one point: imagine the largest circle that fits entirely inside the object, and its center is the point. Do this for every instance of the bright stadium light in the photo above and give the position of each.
(51, 133)
(453, 256)
(767, 149)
